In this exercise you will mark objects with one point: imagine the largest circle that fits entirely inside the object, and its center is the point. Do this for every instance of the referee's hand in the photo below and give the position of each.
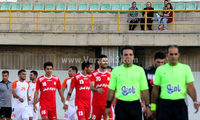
(196, 107)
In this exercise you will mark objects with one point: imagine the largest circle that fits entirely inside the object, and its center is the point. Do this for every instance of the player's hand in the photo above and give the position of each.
(65, 107)
(196, 107)
(34, 108)
(21, 100)
(100, 90)
(148, 112)
(153, 116)
(107, 111)
(29, 98)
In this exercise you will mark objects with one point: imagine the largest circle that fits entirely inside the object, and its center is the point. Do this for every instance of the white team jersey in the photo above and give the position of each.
(21, 91)
(72, 98)
(31, 91)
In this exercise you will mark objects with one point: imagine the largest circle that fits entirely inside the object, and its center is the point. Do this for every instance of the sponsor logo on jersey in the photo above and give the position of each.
(54, 83)
(171, 89)
(126, 91)
(49, 89)
(84, 88)
(102, 85)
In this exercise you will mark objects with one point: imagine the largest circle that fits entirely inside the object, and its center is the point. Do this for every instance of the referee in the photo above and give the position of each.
(129, 81)
(176, 80)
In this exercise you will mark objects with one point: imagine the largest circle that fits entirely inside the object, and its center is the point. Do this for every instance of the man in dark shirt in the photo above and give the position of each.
(5, 97)
(159, 59)
(149, 14)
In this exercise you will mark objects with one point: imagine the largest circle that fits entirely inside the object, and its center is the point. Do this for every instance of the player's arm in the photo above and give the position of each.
(61, 95)
(16, 96)
(192, 93)
(99, 90)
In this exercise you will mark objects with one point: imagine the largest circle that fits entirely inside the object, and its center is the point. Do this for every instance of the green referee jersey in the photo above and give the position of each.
(128, 82)
(173, 80)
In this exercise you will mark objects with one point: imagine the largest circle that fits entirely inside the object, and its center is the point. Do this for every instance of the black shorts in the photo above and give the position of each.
(5, 112)
(128, 110)
(172, 110)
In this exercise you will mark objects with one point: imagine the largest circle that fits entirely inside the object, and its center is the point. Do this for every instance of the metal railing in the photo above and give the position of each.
(91, 18)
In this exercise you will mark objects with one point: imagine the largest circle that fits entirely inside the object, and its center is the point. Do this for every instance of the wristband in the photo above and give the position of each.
(195, 102)
(153, 107)
(66, 102)
(108, 104)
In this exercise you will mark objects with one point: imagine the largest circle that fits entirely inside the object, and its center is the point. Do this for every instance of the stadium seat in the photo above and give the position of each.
(61, 6)
(16, 6)
(180, 6)
(94, 6)
(198, 6)
(39, 6)
(139, 6)
(158, 6)
(116, 6)
(72, 6)
(83, 6)
(105, 7)
(173, 5)
(126, 6)
(5, 6)
(27, 6)
(191, 6)
(50, 6)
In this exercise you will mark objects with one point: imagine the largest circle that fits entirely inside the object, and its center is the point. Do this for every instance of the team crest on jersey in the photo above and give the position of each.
(44, 84)
(54, 83)
(108, 79)
(98, 78)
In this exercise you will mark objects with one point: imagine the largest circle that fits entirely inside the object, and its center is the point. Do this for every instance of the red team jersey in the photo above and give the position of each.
(101, 80)
(47, 87)
(83, 92)
(83, 95)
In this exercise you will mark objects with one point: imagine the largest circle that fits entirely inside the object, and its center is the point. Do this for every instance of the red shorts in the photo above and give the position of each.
(51, 114)
(98, 112)
(83, 112)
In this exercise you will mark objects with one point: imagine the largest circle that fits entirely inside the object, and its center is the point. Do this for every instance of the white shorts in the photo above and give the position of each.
(33, 114)
(70, 114)
(20, 113)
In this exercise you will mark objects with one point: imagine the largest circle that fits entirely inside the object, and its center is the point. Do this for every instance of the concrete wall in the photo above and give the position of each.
(100, 39)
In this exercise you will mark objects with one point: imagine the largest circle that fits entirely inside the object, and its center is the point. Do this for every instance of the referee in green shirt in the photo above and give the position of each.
(175, 80)
(129, 82)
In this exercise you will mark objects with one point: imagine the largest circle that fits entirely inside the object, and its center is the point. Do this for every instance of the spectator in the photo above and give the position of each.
(5, 97)
(133, 14)
(165, 4)
(149, 14)
(167, 17)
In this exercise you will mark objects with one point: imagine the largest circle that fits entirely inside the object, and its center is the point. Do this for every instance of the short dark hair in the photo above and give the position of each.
(21, 71)
(85, 64)
(48, 64)
(102, 56)
(34, 72)
(74, 68)
(170, 46)
(5, 71)
(109, 67)
(133, 2)
(159, 55)
(127, 47)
